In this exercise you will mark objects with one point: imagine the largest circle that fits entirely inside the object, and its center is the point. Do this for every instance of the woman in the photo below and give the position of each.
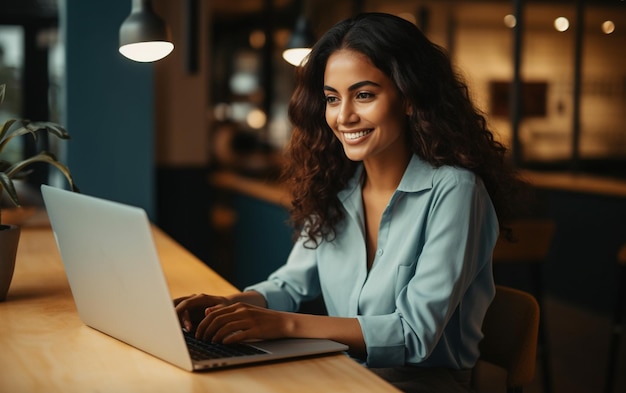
(399, 190)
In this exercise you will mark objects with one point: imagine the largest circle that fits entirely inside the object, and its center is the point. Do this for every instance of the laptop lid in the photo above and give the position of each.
(118, 285)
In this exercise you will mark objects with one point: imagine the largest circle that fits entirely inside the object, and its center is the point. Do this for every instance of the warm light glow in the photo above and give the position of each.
(256, 119)
(561, 24)
(608, 27)
(146, 52)
(221, 111)
(510, 21)
(257, 39)
(296, 56)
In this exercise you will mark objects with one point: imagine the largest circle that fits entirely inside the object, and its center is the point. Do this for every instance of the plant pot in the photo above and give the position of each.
(9, 238)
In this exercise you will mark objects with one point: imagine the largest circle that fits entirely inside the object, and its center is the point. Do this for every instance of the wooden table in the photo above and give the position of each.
(44, 347)
(575, 182)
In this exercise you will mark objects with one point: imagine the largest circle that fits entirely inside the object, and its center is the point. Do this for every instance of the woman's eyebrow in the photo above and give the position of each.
(353, 87)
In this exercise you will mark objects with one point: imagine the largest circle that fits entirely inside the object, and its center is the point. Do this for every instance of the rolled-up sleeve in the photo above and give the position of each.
(384, 341)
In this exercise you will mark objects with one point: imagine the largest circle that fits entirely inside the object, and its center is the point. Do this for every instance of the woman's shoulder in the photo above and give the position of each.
(449, 177)
(454, 173)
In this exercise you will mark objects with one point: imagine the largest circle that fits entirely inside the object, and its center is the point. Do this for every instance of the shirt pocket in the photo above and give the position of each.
(403, 276)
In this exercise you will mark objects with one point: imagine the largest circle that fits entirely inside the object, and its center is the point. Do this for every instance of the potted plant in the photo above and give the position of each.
(9, 234)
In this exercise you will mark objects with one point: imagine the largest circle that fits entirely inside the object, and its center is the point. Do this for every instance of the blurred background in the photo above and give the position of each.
(196, 138)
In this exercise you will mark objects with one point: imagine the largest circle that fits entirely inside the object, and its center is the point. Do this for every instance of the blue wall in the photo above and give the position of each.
(109, 106)
(263, 240)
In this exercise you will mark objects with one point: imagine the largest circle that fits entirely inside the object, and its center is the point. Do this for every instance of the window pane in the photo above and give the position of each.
(603, 84)
(548, 58)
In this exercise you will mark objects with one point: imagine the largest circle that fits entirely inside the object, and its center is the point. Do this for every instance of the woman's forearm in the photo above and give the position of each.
(344, 330)
(250, 297)
(296, 325)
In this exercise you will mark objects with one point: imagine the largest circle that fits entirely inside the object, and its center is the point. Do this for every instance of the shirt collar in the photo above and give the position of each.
(418, 176)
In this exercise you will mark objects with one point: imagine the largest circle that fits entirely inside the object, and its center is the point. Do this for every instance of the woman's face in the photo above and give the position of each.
(363, 108)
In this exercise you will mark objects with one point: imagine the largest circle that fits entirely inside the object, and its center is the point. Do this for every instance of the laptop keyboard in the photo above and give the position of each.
(202, 350)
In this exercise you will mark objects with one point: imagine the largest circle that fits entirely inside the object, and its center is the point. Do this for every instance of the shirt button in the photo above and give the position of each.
(379, 252)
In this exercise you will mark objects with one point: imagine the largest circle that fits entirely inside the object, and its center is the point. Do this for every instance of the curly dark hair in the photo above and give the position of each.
(445, 128)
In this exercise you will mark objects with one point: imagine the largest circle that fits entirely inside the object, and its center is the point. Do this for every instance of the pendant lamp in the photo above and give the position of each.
(144, 37)
(300, 43)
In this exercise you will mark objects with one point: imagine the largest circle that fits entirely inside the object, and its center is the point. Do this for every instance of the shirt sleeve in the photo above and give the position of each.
(293, 283)
(449, 291)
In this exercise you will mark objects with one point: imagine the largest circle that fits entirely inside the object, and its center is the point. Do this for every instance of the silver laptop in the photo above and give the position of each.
(119, 288)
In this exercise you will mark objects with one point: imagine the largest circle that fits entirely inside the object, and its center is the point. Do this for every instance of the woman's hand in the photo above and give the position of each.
(241, 322)
(245, 317)
(191, 309)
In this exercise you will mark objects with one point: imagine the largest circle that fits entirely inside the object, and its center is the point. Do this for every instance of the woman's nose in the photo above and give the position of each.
(347, 114)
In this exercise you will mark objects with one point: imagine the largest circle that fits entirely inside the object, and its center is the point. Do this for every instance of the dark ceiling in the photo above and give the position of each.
(23, 11)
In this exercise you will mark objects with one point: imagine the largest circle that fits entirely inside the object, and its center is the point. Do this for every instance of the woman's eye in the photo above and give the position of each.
(364, 95)
(330, 99)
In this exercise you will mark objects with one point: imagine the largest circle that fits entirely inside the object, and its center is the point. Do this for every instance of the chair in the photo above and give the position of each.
(617, 322)
(532, 238)
(511, 329)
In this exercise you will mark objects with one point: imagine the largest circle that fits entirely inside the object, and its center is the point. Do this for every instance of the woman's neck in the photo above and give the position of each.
(384, 175)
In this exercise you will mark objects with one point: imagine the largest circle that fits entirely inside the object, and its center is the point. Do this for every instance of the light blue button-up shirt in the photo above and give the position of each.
(425, 296)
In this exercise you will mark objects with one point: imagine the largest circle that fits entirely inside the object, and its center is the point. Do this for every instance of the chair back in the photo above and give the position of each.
(510, 330)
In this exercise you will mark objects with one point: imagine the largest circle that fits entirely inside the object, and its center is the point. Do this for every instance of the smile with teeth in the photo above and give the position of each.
(356, 135)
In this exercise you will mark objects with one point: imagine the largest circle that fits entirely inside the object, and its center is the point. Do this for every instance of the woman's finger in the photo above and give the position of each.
(191, 309)
(234, 330)
(217, 316)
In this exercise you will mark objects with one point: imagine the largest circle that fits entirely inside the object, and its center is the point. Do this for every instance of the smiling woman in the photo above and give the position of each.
(399, 190)
(365, 111)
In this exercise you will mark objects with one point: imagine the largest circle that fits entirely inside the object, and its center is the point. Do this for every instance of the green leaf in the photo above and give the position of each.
(23, 174)
(5, 129)
(8, 131)
(12, 133)
(7, 184)
(33, 128)
(53, 128)
(46, 157)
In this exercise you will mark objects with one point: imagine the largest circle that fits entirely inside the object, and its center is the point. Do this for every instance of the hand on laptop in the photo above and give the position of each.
(238, 322)
(245, 317)
(191, 309)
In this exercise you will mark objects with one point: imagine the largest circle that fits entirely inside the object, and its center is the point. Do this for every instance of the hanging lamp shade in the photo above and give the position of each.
(144, 37)
(300, 42)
